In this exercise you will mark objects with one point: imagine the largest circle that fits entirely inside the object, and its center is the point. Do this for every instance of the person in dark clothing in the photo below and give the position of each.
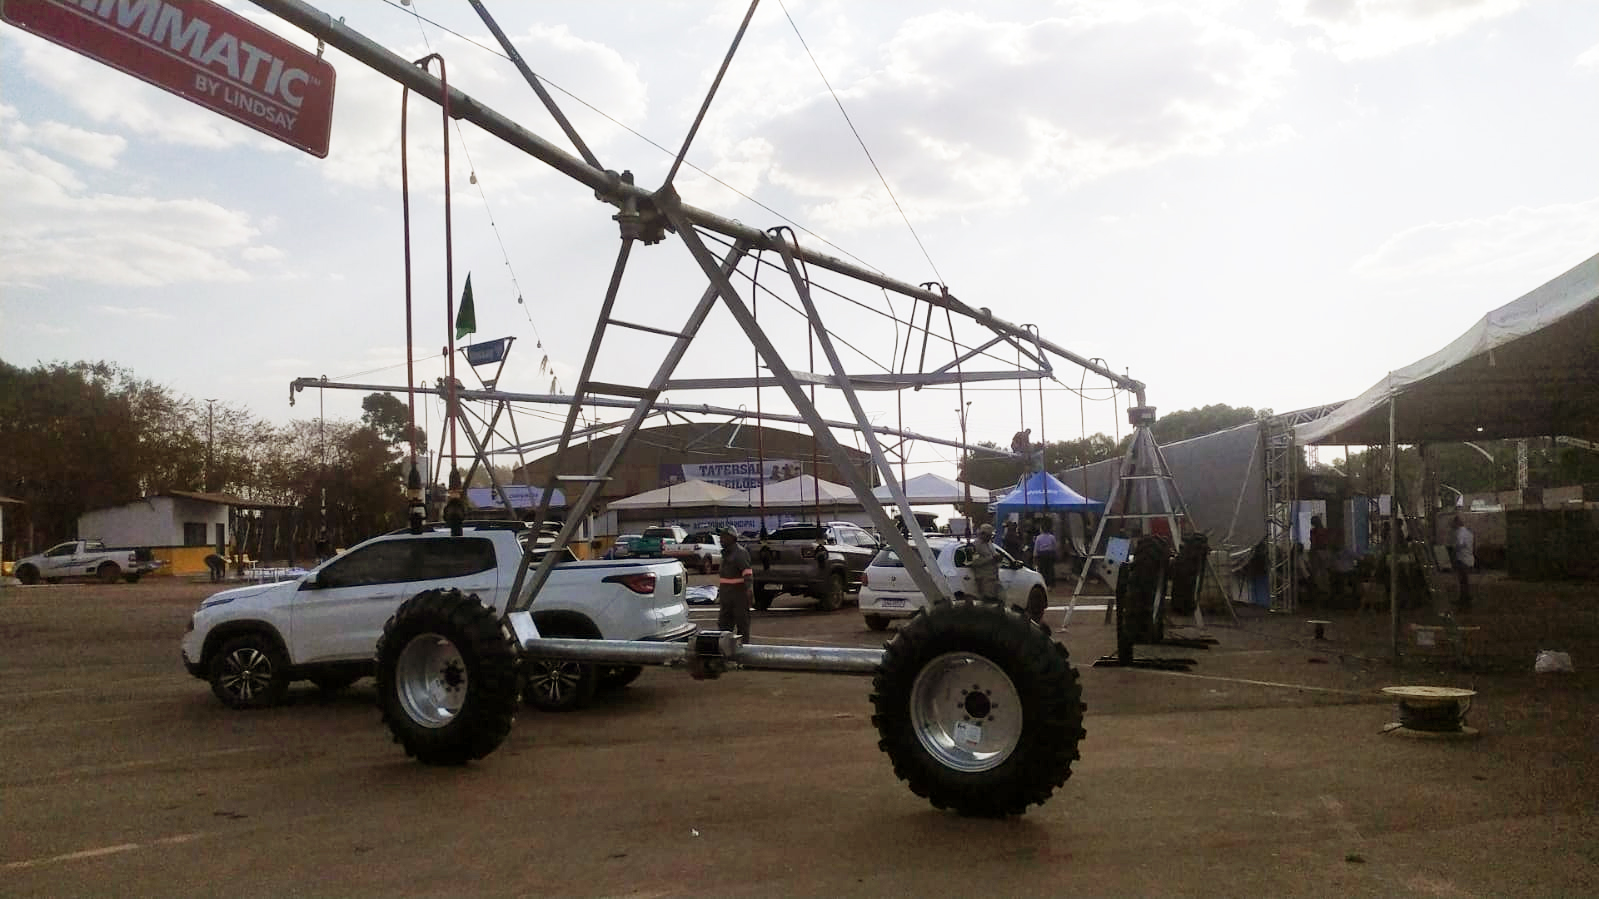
(218, 566)
(734, 585)
(1044, 553)
(1013, 539)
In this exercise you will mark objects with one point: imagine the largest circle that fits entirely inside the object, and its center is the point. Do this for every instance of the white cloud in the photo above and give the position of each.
(1360, 29)
(1548, 238)
(1589, 58)
(139, 312)
(53, 231)
(962, 112)
(261, 254)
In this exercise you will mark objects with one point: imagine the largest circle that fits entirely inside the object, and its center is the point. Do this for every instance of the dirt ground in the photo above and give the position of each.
(1262, 772)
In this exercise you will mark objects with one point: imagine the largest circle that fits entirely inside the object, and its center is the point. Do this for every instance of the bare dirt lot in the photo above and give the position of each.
(1263, 772)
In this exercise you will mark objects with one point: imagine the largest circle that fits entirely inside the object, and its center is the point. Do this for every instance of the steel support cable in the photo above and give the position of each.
(705, 107)
(533, 82)
(625, 127)
(862, 141)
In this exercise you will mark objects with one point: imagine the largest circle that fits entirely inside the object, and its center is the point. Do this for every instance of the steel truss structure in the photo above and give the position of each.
(649, 217)
(1282, 494)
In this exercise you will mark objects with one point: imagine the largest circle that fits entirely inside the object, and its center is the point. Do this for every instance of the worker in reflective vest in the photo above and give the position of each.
(735, 585)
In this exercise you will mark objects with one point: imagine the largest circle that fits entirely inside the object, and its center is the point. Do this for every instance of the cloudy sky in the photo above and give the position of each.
(1264, 204)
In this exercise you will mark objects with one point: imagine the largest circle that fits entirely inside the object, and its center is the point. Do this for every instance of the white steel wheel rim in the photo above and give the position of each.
(431, 681)
(966, 712)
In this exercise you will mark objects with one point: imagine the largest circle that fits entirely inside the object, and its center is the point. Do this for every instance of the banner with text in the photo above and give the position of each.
(745, 475)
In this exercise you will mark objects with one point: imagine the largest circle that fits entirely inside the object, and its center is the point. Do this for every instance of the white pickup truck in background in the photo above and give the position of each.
(251, 642)
(86, 559)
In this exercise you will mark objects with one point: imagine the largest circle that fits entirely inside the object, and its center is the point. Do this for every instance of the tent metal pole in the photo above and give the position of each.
(1393, 531)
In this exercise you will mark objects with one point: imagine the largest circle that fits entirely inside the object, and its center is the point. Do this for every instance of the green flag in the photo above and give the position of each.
(466, 318)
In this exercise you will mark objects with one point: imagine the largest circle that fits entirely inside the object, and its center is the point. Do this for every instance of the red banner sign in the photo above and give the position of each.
(199, 51)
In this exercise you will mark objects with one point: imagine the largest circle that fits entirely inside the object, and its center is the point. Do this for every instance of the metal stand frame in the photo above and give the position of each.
(649, 216)
(1143, 466)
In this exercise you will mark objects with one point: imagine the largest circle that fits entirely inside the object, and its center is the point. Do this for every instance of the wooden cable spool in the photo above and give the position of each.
(1431, 712)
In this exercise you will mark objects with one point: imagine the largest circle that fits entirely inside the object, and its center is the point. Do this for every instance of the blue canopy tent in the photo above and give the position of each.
(1043, 492)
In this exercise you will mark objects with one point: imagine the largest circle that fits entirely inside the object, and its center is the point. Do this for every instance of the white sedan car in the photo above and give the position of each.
(887, 591)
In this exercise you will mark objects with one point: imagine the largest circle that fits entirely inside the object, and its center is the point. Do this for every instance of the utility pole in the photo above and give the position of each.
(210, 441)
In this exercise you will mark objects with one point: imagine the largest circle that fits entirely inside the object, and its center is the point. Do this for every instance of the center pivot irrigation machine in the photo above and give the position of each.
(978, 708)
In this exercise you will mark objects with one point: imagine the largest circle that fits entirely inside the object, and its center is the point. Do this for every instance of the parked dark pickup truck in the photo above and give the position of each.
(823, 561)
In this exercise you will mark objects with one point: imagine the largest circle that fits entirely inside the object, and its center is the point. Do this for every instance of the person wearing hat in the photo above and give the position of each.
(983, 560)
(734, 584)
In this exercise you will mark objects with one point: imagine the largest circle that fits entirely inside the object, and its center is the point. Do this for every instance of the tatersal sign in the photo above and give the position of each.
(199, 51)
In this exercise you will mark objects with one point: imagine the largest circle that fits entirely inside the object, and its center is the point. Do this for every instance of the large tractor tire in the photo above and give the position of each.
(447, 678)
(979, 710)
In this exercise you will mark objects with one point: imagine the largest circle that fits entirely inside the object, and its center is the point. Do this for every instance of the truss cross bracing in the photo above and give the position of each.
(651, 216)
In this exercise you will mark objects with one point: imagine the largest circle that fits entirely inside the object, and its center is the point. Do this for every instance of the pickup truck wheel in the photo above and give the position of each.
(28, 575)
(764, 597)
(877, 622)
(979, 710)
(618, 676)
(109, 573)
(833, 596)
(249, 672)
(557, 686)
(447, 678)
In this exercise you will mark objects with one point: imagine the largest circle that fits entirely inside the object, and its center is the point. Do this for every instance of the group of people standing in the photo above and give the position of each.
(1038, 548)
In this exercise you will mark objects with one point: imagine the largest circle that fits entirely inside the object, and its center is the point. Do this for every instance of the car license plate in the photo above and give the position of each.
(892, 603)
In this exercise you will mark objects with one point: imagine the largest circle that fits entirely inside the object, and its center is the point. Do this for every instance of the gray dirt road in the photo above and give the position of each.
(1262, 773)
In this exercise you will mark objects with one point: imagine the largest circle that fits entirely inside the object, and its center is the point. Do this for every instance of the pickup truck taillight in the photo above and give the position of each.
(642, 583)
(863, 579)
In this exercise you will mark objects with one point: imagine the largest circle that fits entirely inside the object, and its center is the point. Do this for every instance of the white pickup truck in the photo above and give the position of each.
(86, 559)
(251, 642)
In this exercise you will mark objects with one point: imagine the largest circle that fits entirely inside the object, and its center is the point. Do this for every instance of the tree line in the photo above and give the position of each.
(77, 436)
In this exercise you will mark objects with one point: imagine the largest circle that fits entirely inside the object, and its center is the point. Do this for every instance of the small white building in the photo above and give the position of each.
(175, 518)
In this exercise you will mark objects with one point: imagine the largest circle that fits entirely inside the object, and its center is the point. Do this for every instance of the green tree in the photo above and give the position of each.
(1186, 423)
(391, 418)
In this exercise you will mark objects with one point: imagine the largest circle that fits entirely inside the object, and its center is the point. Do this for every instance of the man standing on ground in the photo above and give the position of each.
(1044, 548)
(1464, 558)
(983, 560)
(734, 584)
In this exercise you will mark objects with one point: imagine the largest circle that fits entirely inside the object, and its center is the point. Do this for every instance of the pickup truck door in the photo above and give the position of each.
(59, 561)
(339, 611)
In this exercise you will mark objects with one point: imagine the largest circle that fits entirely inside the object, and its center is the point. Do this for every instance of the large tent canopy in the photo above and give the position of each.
(802, 491)
(1527, 369)
(935, 489)
(689, 494)
(1043, 492)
